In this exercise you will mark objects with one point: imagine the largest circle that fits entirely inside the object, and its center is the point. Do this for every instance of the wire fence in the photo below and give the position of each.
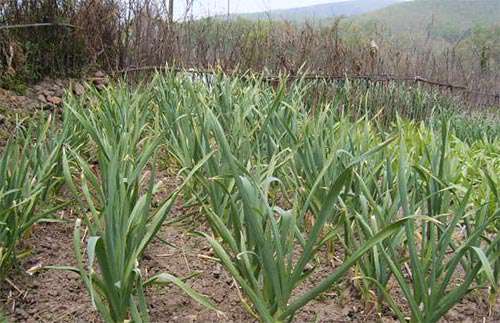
(471, 95)
(36, 25)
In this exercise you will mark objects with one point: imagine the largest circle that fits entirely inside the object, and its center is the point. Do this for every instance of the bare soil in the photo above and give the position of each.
(58, 296)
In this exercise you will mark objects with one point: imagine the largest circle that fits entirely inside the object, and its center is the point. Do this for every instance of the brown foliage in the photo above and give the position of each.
(117, 34)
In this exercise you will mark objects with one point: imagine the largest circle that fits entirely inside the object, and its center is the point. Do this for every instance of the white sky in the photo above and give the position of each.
(217, 7)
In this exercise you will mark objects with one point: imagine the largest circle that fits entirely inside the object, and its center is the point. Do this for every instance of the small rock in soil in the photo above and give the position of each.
(42, 98)
(58, 91)
(78, 89)
(54, 100)
(48, 93)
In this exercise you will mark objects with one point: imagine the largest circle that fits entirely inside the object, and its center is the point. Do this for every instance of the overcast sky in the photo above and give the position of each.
(214, 7)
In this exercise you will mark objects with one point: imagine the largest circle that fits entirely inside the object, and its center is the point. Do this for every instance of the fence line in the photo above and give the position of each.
(329, 78)
(36, 25)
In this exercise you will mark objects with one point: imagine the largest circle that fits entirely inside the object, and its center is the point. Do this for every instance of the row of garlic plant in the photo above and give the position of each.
(30, 172)
(112, 174)
(31, 176)
(434, 253)
(398, 202)
(263, 246)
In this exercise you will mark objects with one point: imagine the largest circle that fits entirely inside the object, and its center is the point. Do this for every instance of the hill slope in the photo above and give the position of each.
(442, 18)
(322, 11)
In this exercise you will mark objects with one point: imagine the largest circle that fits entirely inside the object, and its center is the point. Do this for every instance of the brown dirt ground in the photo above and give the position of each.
(58, 296)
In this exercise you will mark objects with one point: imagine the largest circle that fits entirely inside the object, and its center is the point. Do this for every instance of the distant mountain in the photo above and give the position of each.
(322, 11)
(448, 19)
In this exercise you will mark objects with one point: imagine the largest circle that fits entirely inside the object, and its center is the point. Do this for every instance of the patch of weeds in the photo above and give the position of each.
(14, 83)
